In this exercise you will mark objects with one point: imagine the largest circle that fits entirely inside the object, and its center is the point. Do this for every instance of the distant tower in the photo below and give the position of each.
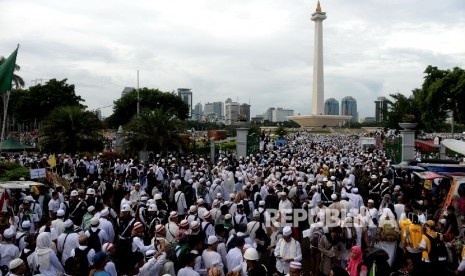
(331, 107)
(186, 96)
(381, 106)
(318, 77)
(349, 108)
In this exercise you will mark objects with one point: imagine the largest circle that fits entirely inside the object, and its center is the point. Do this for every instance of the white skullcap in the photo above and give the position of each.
(14, 264)
(192, 209)
(212, 240)
(68, 223)
(157, 196)
(371, 201)
(26, 224)
(90, 209)
(104, 212)
(227, 216)
(94, 221)
(8, 233)
(60, 212)
(333, 197)
(152, 207)
(355, 190)
(287, 231)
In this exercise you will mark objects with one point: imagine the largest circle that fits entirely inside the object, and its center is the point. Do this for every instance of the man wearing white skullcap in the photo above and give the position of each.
(8, 251)
(58, 222)
(17, 267)
(210, 256)
(287, 250)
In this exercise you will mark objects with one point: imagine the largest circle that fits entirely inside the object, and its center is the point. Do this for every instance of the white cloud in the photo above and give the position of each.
(256, 50)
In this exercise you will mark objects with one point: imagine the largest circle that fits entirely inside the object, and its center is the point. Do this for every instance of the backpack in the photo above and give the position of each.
(83, 263)
(94, 240)
(246, 207)
(232, 243)
(388, 233)
(438, 248)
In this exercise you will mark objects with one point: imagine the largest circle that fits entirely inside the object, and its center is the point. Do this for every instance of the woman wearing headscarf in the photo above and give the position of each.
(45, 259)
(355, 267)
(388, 234)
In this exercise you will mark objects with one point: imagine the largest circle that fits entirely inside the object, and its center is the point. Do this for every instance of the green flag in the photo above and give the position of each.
(6, 71)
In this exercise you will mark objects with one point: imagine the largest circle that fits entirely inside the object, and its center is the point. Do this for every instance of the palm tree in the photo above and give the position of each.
(71, 129)
(154, 130)
(18, 81)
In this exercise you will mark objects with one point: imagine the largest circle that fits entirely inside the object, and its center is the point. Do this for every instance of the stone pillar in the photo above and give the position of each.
(442, 151)
(408, 140)
(241, 142)
(212, 150)
(119, 141)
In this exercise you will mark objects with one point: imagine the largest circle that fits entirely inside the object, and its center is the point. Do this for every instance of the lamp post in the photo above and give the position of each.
(452, 105)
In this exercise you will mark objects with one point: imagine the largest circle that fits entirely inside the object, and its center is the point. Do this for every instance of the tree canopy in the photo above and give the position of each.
(442, 91)
(125, 108)
(154, 130)
(38, 101)
(71, 129)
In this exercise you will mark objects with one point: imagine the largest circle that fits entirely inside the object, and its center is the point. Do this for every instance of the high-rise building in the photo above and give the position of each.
(126, 90)
(198, 112)
(268, 115)
(331, 107)
(280, 114)
(231, 112)
(277, 114)
(244, 112)
(213, 112)
(218, 109)
(349, 108)
(186, 96)
(381, 106)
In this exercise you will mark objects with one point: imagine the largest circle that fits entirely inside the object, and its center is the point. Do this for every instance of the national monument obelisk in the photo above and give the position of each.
(318, 118)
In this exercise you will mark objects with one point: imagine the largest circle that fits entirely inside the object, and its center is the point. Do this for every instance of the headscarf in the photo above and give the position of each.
(352, 266)
(43, 249)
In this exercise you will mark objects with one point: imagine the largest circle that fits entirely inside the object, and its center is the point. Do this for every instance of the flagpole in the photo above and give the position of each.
(6, 98)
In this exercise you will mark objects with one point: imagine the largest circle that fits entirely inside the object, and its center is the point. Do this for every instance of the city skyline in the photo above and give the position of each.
(258, 52)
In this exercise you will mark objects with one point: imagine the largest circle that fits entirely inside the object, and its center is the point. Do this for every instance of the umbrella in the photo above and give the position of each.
(12, 145)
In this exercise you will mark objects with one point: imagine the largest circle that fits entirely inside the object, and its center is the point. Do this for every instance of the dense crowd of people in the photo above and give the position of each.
(316, 205)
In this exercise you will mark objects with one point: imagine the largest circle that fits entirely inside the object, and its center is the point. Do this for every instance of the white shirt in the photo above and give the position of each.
(58, 226)
(72, 241)
(8, 252)
(153, 266)
(282, 266)
(110, 268)
(188, 271)
(212, 259)
(54, 205)
(108, 227)
(234, 260)
(54, 267)
(180, 200)
(138, 243)
(172, 230)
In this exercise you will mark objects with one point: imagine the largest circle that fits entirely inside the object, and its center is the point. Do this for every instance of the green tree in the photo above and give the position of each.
(280, 131)
(17, 80)
(71, 129)
(399, 107)
(38, 101)
(154, 130)
(126, 107)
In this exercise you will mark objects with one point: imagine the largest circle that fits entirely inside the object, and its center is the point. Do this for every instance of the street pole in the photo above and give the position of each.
(138, 98)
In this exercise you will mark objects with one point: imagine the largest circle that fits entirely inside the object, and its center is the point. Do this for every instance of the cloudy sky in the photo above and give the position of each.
(254, 51)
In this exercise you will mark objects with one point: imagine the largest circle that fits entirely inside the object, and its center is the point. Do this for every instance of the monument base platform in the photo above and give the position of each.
(320, 120)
